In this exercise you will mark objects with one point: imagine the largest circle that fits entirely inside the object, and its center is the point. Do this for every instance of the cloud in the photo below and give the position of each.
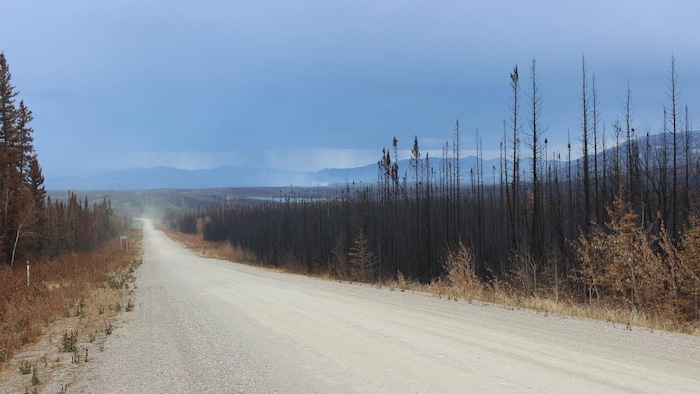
(305, 84)
(315, 159)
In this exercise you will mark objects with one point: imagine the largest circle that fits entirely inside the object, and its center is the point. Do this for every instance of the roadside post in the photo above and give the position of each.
(124, 240)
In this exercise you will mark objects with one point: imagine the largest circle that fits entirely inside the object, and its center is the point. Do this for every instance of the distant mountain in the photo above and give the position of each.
(167, 177)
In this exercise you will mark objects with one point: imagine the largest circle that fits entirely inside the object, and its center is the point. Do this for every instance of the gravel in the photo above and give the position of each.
(206, 325)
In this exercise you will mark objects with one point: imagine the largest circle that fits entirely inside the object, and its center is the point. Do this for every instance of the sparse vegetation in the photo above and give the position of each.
(79, 309)
(25, 367)
(80, 356)
(55, 285)
(108, 327)
(35, 376)
(67, 340)
(68, 345)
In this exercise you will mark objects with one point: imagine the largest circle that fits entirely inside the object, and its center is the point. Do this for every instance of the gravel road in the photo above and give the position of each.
(205, 325)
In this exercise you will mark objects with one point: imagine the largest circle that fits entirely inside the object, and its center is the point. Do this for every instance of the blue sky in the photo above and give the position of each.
(304, 85)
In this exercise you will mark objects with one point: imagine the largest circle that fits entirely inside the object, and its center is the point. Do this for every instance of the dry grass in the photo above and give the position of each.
(460, 283)
(499, 294)
(50, 324)
(216, 250)
(502, 294)
(225, 251)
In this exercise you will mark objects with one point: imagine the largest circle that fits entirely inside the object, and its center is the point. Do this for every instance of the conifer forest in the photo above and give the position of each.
(616, 223)
(32, 226)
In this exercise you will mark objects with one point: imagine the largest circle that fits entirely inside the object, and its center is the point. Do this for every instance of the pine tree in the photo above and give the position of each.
(8, 139)
(36, 182)
(363, 263)
(25, 140)
(21, 182)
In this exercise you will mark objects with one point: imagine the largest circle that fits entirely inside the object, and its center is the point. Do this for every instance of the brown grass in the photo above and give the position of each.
(216, 250)
(65, 306)
(460, 282)
(501, 294)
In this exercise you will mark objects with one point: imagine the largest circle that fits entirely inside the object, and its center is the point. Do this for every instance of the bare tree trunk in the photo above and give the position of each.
(535, 145)
(584, 140)
(673, 98)
(515, 145)
(596, 185)
(631, 149)
(14, 247)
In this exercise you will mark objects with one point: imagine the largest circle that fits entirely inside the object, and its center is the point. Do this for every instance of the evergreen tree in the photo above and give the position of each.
(21, 182)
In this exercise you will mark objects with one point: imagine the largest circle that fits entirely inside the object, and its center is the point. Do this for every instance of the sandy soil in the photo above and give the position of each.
(205, 325)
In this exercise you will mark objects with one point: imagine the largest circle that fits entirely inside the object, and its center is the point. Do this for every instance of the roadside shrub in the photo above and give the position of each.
(460, 274)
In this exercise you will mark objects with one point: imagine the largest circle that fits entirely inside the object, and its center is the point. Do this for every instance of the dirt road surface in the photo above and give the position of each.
(204, 325)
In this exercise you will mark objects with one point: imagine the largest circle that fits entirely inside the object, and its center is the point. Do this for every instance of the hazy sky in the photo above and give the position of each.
(314, 84)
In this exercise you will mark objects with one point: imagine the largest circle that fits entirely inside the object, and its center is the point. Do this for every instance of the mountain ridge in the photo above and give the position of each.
(162, 177)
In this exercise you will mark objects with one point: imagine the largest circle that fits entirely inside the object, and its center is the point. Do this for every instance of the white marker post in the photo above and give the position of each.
(124, 240)
(27, 272)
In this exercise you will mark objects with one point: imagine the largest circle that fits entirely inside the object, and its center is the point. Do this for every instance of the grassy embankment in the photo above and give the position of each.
(51, 326)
